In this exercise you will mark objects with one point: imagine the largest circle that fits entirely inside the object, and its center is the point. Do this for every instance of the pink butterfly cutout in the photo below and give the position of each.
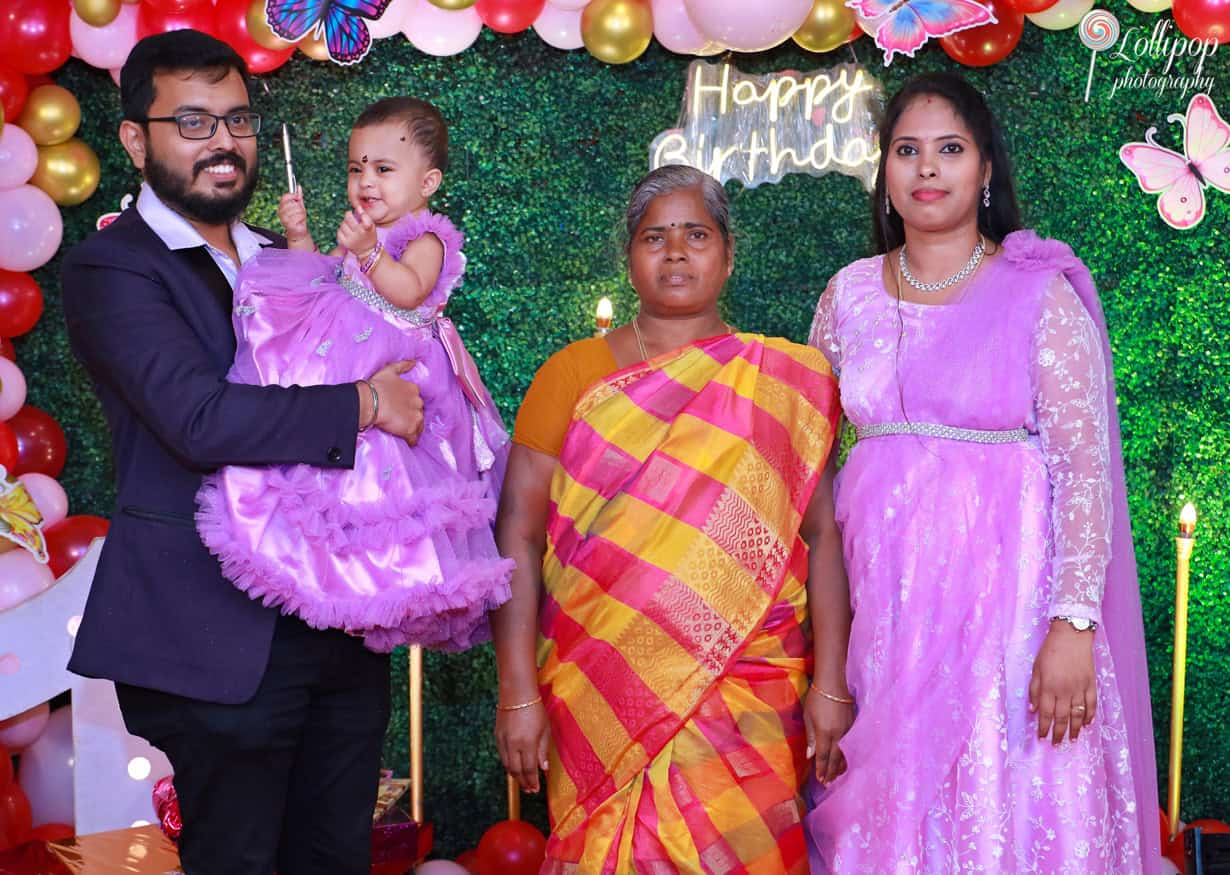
(902, 26)
(1182, 178)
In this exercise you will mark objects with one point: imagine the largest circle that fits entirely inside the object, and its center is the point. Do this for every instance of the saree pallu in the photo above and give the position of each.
(675, 641)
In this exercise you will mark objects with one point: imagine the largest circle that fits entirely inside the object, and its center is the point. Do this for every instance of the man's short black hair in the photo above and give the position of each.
(187, 51)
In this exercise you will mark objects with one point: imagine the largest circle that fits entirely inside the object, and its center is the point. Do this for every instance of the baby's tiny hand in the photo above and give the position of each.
(293, 216)
(357, 233)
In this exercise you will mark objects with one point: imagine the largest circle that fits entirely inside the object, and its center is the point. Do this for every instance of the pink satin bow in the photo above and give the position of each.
(463, 364)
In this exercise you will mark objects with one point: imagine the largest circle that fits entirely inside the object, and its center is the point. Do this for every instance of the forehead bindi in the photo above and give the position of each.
(679, 209)
(929, 118)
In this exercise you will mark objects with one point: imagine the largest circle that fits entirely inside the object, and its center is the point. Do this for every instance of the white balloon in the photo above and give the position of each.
(1151, 5)
(392, 22)
(441, 867)
(674, 29)
(570, 5)
(45, 771)
(560, 28)
(1063, 15)
(441, 32)
(1168, 867)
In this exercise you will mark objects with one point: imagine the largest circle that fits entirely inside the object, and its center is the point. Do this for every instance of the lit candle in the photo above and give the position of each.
(603, 316)
(1184, 544)
(291, 184)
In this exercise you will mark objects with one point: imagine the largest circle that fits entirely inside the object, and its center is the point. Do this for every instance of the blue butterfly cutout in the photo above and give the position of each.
(341, 21)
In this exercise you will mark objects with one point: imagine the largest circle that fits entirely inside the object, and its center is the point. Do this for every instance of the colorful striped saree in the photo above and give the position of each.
(675, 641)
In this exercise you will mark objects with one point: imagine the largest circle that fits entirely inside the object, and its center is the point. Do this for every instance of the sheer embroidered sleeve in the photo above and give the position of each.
(823, 335)
(1070, 402)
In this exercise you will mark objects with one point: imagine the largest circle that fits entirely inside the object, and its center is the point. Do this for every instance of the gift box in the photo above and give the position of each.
(141, 850)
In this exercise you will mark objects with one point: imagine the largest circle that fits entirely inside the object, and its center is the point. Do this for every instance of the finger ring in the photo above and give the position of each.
(1078, 708)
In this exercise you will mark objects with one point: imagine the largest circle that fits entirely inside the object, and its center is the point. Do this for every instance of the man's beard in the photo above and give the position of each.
(176, 192)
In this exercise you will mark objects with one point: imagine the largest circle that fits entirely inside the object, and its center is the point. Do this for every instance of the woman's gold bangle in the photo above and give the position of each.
(840, 700)
(533, 701)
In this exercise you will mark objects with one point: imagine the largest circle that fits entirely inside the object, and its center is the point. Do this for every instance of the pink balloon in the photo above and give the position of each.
(45, 771)
(12, 389)
(560, 28)
(441, 867)
(19, 732)
(107, 46)
(674, 30)
(570, 5)
(18, 156)
(30, 228)
(49, 497)
(21, 577)
(441, 32)
(392, 22)
(115, 76)
(748, 26)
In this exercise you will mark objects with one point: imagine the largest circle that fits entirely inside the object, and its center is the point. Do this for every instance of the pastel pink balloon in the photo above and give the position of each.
(441, 867)
(45, 770)
(19, 732)
(18, 156)
(748, 26)
(49, 497)
(441, 32)
(12, 389)
(560, 28)
(570, 5)
(674, 30)
(21, 577)
(392, 22)
(107, 46)
(30, 228)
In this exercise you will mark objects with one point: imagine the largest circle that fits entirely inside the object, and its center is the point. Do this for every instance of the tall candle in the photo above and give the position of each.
(1184, 544)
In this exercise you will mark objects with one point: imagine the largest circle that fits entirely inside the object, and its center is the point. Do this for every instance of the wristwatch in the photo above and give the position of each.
(1080, 624)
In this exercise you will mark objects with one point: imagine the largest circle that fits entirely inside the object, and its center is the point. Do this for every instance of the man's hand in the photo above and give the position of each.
(400, 410)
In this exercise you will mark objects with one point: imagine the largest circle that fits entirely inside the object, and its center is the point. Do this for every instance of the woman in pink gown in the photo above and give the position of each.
(996, 658)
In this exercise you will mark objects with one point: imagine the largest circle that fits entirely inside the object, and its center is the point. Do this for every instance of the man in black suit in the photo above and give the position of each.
(274, 729)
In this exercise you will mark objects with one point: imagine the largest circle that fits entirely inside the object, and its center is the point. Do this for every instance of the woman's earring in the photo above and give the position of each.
(986, 195)
(888, 207)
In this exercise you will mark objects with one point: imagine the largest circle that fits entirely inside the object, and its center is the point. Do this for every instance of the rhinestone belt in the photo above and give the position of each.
(374, 299)
(930, 429)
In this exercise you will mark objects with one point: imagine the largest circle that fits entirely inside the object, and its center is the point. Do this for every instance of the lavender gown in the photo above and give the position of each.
(398, 550)
(957, 554)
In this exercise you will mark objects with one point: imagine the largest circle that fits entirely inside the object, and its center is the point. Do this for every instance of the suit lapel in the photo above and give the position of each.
(217, 312)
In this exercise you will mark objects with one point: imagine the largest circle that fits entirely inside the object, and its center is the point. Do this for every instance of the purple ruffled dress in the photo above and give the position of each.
(399, 549)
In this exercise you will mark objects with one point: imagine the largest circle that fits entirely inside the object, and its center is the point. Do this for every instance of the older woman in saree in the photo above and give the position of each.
(667, 497)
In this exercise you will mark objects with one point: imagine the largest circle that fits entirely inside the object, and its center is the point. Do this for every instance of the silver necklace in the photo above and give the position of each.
(970, 267)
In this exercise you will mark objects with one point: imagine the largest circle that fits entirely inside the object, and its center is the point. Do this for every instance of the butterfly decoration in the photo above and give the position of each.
(20, 520)
(1182, 178)
(340, 22)
(903, 26)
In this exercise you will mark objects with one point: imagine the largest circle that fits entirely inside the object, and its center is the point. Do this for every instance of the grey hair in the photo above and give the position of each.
(668, 180)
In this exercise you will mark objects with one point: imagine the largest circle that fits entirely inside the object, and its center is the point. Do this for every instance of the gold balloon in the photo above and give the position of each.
(617, 31)
(68, 172)
(51, 115)
(314, 47)
(97, 13)
(827, 27)
(452, 4)
(258, 29)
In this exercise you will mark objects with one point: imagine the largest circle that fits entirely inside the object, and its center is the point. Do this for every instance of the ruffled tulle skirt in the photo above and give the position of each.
(398, 549)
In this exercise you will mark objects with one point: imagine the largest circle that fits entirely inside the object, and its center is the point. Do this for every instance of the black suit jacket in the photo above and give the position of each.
(153, 328)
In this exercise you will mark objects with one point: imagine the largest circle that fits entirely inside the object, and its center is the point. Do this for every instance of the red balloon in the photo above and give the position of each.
(8, 453)
(990, 43)
(1029, 7)
(468, 860)
(6, 349)
(175, 5)
(511, 847)
(21, 303)
(52, 832)
(1203, 19)
(232, 28)
(34, 35)
(15, 816)
(40, 443)
(70, 538)
(509, 16)
(6, 767)
(13, 91)
(152, 20)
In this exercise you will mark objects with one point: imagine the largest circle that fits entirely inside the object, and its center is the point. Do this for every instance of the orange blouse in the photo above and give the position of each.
(546, 410)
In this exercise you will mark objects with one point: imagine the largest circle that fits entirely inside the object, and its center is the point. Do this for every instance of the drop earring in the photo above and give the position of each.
(888, 207)
(986, 195)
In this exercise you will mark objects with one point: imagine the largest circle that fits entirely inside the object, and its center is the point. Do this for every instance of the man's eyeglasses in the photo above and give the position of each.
(203, 125)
